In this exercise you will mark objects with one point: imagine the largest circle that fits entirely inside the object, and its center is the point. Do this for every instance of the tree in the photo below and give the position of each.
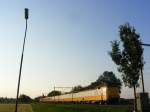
(109, 79)
(128, 58)
(77, 88)
(24, 99)
(37, 99)
(54, 93)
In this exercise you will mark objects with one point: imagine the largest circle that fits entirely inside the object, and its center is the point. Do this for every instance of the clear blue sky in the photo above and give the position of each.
(67, 42)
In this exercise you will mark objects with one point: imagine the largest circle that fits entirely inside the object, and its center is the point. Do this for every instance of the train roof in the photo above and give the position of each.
(88, 89)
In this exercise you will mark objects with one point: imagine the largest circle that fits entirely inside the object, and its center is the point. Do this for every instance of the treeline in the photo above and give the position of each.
(108, 78)
(4, 100)
(22, 99)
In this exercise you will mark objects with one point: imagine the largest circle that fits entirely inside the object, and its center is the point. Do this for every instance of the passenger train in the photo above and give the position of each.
(103, 95)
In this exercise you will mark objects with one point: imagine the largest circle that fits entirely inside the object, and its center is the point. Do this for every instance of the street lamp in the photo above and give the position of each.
(26, 18)
(148, 45)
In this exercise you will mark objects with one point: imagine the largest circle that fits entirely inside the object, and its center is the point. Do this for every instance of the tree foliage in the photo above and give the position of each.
(5, 100)
(37, 99)
(54, 93)
(24, 99)
(77, 88)
(106, 79)
(130, 58)
(109, 79)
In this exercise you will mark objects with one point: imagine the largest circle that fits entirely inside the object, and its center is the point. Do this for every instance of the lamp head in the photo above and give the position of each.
(26, 13)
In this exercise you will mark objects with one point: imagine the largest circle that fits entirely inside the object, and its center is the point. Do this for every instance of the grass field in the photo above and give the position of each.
(11, 108)
(43, 107)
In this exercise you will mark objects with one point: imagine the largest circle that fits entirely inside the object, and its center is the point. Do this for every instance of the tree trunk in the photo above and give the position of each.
(135, 103)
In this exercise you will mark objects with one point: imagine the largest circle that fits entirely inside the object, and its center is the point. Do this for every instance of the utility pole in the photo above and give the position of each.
(143, 87)
(26, 18)
(54, 93)
(142, 98)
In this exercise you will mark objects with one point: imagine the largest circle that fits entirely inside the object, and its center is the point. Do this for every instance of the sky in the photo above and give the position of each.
(67, 42)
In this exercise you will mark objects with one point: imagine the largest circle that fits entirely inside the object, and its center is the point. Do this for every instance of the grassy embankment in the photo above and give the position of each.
(43, 107)
(11, 108)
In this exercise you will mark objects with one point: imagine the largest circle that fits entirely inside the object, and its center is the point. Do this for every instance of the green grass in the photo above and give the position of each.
(11, 108)
(44, 107)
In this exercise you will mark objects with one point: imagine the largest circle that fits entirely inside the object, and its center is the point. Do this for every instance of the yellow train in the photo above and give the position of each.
(103, 94)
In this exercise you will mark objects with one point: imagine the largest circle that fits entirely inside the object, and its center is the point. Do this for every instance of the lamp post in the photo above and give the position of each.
(142, 98)
(26, 18)
(143, 87)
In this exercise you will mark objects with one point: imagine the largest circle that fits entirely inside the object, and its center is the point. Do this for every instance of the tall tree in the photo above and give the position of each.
(54, 93)
(77, 88)
(24, 99)
(129, 57)
(110, 79)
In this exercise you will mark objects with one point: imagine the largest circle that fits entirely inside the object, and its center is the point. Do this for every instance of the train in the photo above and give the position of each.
(102, 95)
